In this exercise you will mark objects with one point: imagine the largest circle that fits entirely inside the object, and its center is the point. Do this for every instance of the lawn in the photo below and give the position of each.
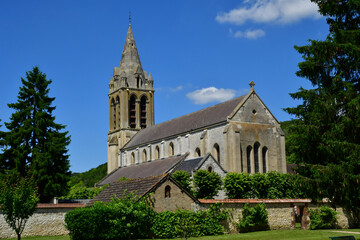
(268, 235)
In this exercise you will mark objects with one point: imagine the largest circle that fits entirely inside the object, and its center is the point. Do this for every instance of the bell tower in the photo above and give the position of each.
(131, 100)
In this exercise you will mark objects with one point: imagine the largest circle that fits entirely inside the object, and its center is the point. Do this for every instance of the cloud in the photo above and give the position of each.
(211, 94)
(270, 11)
(178, 88)
(249, 34)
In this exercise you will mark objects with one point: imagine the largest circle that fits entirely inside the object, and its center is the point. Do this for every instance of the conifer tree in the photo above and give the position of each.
(325, 136)
(34, 144)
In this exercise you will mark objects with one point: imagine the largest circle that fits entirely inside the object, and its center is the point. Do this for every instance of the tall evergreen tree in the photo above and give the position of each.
(325, 136)
(34, 144)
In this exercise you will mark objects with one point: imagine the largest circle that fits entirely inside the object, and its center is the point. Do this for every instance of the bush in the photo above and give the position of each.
(184, 223)
(322, 218)
(238, 185)
(253, 218)
(183, 178)
(123, 218)
(207, 184)
(80, 191)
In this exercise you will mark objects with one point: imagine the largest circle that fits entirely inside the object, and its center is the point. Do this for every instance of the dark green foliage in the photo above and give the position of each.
(89, 178)
(18, 199)
(124, 218)
(322, 218)
(184, 223)
(253, 218)
(325, 136)
(80, 191)
(206, 184)
(272, 185)
(34, 142)
(183, 178)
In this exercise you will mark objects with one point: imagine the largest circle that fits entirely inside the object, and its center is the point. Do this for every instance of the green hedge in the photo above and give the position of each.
(322, 218)
(184, 223)
(253, 218)
(272, 185)
(120, 219)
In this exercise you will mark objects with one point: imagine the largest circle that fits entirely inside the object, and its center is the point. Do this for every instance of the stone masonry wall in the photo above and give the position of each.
(48, 220)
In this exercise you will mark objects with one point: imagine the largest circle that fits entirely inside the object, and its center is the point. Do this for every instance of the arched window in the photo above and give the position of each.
(167, 191)
(216, 152)
(264, 152)
(248, 158)
(171, 149)
(118, 110)
(157, 152)
(144, 156)
(210, 169)
(132, 112)
(143, 112)
(113, 106)
(197, 152)
(132, 158)
(256, 156)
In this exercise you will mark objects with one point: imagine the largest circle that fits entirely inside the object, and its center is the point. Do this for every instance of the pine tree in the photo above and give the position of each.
(34, 144)
(325, 136)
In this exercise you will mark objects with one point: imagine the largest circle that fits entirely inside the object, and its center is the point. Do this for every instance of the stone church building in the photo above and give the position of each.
(241, 134)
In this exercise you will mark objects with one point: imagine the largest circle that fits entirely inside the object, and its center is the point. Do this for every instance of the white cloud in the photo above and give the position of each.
(178, 88)
(249, 34)
(211, 94)
(270, 11)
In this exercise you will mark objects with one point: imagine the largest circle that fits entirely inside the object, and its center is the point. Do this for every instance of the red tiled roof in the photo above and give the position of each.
(211, 201)
(60, 205)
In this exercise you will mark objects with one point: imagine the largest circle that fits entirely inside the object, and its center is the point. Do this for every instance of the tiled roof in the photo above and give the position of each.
(211, 201)
(189, 165)
(147, 169)
(202, 118)
(138, 186)
(59, 205)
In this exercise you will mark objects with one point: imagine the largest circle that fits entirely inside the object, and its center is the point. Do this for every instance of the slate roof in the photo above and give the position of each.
(138, 186)
(202, 118)
(189, 165)
(147, 169)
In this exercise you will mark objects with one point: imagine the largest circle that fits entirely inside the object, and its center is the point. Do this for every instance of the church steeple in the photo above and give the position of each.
(131, 100)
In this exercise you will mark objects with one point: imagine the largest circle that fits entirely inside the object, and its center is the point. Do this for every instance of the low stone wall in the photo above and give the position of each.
(281, 212)
(48, 220)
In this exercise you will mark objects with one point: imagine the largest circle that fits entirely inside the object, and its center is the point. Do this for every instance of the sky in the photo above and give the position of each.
(199, 53)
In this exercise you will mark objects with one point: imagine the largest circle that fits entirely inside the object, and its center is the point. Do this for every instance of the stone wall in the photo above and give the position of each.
(48, 220)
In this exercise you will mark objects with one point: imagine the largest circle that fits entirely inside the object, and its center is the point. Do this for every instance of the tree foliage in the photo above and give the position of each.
(183, 178)
(325, 136)
(90, 177)
(253, 218)
(206, 184)
(18, 200)
(34, 142)
(323, 218)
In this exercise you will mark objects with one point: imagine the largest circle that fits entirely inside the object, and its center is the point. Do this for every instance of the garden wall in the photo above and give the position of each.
(48, 220)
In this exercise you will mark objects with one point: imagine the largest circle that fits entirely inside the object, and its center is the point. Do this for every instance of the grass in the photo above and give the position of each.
(268, 235)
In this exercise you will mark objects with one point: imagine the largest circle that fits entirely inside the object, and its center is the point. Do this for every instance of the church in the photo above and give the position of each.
(239, 135)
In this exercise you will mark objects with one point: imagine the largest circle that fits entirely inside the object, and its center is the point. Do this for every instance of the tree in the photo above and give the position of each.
(207, 184)
(183, 178)
(34, 142)
(18, 200)
(325, 136)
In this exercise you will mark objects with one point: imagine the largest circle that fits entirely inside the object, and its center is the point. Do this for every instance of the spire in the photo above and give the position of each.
(130, 60)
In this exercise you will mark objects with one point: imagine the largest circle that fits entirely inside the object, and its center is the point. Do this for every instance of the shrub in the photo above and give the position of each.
(207, 184)
(183, 178)
(322, 218)
(184, 223)
(253, 218)
(124, 218)
(238, 185)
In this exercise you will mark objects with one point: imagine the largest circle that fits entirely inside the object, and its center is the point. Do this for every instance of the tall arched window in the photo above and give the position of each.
(113, 106)
(216, 152)
(167, 191)
(248, 158)
(264, 152)
(144, 156)
(132, 158)
(118, 110)
(171, 149)
(256, 156)
(157, 152)
(143, 112)
(197, 152)
(132, 112)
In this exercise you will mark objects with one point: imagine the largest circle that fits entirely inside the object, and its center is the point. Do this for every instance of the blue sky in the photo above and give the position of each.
(198, 52)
